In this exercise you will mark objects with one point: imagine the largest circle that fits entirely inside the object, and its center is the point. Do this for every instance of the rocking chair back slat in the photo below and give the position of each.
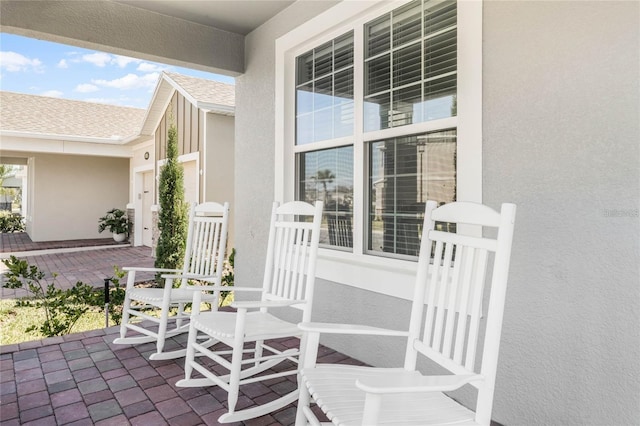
(456, 280)
(201, 244)
(292, 245)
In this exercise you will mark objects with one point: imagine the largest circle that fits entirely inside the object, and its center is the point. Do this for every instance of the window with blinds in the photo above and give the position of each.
(410, 65)
(405, 172)
(324, 91)
(327, 175)
(403, 94)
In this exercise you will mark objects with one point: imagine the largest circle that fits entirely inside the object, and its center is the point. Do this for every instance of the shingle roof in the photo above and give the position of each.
(208, 91)
(54, 116)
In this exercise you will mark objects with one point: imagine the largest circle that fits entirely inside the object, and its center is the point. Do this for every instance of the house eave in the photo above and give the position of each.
(217, 108)
(114, 140)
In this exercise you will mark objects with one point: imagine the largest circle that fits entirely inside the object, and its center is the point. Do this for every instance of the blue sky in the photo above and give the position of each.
(39, 67)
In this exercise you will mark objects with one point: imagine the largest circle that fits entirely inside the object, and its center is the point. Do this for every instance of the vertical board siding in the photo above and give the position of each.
(189, 127)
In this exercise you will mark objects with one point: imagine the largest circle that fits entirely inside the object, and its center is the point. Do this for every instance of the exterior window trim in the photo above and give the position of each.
(388, 276)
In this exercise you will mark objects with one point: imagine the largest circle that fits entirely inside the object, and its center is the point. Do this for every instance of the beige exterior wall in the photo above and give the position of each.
(70, 193)
(219, 164)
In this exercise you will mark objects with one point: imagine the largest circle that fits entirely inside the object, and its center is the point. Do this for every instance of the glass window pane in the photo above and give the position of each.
(343, 87)
(304, 98)
(304, 128)
(407, 23)
(323, 93)
(407, 107)
(323, 124)
(378, 36)
(324, 105)
(417, 65)
(407, 65)
(343, 120)
(440, 54)
(404, 173)
(327, 175)
(376, 112)
(323, 60)
(343, 52)
(439, 15)
(304, 67)
(378, 75)
(440, 98)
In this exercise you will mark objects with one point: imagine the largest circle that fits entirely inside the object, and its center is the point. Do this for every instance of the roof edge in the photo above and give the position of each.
(114, 140)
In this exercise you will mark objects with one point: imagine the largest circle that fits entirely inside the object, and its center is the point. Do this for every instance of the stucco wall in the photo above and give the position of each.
(219, 165)
(561, 132)
(254, 151)
(70, 193)
(561, 140)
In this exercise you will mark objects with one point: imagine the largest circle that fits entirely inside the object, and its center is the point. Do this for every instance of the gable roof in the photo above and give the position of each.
(49, 118)
(218, 96)
(209, 95)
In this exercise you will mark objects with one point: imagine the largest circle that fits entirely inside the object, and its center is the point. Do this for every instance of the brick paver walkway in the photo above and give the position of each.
(20, 241)
(78, 260)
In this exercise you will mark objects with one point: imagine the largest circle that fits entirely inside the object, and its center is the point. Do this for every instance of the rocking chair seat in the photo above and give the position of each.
(258, 326)
(155, 296)
(334, 389)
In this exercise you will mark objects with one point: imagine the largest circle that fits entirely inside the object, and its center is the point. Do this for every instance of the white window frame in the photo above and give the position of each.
(374, 273)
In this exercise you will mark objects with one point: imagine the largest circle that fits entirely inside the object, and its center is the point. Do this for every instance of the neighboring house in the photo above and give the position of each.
(202, 111)
(85, 158)
(77, 158)
(543, 100)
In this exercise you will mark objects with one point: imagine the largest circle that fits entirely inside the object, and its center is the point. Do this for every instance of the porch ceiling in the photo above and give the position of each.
(205, 35)
(239, 17)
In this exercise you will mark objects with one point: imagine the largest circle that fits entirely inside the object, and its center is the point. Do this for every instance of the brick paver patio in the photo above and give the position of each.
(84, 379)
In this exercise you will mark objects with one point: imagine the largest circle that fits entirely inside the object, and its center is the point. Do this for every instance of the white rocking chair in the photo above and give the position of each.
(452, 271)
(204, 258)
(288, 282)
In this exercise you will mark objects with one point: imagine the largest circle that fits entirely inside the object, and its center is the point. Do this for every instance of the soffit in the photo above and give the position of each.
(235, 16)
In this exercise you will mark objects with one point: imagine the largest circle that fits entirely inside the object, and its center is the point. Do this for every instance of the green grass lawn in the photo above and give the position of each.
(15, 320)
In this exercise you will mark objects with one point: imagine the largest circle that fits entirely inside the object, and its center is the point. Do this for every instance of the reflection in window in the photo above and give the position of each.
(327, 175)
(324, 91)
(410, 65)
(404, 173)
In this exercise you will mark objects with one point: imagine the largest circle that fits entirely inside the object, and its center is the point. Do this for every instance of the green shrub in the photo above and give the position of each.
(62, 308)
(11, 222)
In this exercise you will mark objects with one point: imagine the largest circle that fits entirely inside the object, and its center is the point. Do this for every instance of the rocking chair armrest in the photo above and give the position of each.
(222, 288)
(331, 328)
(252, 304)
(199, 277)
(141, 269)
(414, 384)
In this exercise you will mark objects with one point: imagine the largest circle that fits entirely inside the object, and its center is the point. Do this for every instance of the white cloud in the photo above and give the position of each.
(98, 59)
(63, 64)
(149, 67)
(15, 62)
(86, 88)
(52, 93)
(130, 81)
(123, 61)
(101, 59)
